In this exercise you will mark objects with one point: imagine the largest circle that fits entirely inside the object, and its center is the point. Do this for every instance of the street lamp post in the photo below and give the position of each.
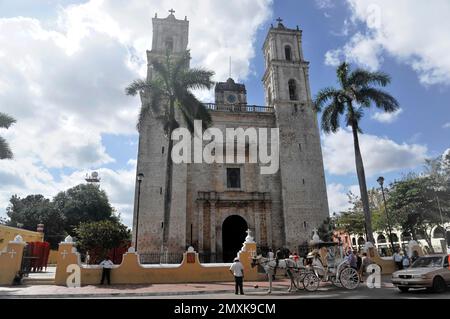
(380, 181)
(140, 177)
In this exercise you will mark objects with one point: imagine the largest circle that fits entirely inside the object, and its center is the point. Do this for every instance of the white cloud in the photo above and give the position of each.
(325, 4)
(380, 154)
(64, 82)
(446, 125)
(337, 197)
(23, 177)
(414, 32)
(385, 117)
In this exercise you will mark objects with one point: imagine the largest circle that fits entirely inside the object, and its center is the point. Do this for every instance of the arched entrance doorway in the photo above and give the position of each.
(233, 236)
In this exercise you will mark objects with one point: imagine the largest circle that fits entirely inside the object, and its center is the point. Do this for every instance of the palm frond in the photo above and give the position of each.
(192, 109)
(361, 78)
(342, 74)
(354, 116)
(5, 150)
(182, 63)
(196, 78)
(137, 86)
(331, 116)
(142, 114)
(323, 96)
(6, 121)
(163, 70)
(382, 99)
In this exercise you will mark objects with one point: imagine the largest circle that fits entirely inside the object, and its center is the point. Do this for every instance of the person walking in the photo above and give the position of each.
(107, 265)
(237, 269)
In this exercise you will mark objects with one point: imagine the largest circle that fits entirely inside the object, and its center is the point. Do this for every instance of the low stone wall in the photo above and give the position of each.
(130, 271)
(10, 261)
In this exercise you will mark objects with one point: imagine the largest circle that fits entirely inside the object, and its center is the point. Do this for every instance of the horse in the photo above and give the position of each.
(269, 268)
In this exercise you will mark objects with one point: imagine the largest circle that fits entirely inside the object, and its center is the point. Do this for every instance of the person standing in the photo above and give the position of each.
(358, 261)
(415, 256)
(278, 256)
(237, 269)
(398, 260)
(271, 255)
(107, 265)
(405, 261)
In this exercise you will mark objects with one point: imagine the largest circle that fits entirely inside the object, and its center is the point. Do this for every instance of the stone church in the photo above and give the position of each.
(214, 204)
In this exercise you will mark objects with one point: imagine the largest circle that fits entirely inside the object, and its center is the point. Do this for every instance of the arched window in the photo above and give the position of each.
(292, 90)
(361, 241)
(439, 232)
(354, 241)
(405, 236)
(381, 239)
(269, 96)
(169, 45)
(395, 238)
(288, 53)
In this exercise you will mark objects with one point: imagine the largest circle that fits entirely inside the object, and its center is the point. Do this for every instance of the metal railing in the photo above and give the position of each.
(239, 108)
(174, 258)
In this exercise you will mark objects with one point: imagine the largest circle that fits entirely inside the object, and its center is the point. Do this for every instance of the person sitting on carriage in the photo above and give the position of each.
(278, 256)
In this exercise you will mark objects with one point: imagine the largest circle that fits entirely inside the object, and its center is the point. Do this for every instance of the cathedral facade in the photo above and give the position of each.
(214, 204)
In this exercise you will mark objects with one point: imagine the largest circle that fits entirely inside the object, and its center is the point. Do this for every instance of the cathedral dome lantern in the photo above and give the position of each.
(230, 92)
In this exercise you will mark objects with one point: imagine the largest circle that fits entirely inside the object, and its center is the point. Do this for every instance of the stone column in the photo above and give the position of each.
(200, 204)
(213, 229)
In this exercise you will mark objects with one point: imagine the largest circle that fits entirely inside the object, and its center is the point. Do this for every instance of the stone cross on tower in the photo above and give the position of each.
(279, 20)
(172, 11)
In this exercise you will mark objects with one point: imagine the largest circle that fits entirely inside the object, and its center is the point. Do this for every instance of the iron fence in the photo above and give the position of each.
(176, 258)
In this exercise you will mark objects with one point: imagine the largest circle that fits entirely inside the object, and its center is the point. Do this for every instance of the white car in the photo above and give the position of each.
(431, 272)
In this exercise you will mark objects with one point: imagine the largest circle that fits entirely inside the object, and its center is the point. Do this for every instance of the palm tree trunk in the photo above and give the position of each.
(362, 184)
(169, 174)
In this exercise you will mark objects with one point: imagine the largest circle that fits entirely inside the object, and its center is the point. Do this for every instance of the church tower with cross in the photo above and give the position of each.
(287, 89)
(213, 205)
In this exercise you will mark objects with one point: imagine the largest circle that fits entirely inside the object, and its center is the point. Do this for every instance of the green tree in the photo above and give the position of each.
(5, 122)
(83, 203)
(101, 236)
(413, 205)
(32, 210)
(357, 92)
(170, 88)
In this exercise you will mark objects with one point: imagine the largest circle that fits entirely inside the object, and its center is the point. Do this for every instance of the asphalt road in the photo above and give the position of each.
(328, 292)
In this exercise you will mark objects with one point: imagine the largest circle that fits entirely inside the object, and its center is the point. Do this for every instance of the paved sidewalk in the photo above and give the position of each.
(52, 291)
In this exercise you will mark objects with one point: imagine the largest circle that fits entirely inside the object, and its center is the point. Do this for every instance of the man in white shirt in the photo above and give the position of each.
(237, 269)
(107, 264)
(398, 260)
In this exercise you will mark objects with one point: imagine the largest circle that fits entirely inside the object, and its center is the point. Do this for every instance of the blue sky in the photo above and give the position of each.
(64, 64)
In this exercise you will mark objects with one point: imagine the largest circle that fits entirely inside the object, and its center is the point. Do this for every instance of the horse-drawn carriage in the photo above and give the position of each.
(328, 264)
(325, 263)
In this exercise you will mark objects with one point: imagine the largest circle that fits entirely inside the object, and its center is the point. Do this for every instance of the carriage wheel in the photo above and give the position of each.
(311, 282)
(336, 282)
(349, 278)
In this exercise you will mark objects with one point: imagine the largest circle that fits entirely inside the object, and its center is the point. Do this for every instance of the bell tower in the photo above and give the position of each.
(287, 89)
(170, 37)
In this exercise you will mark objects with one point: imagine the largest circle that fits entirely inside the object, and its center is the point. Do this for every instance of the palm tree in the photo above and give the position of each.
(358, 90)
(5, 122)
(169, 88)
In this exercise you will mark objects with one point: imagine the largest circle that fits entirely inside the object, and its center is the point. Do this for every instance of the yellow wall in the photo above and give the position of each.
(130, 271)
(10, 261)
(52, 257)
(8, 234)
